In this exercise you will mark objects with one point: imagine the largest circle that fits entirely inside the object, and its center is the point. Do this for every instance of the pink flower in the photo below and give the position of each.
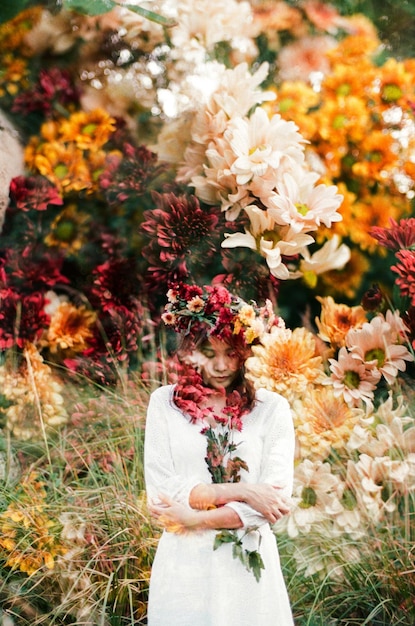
(352, 379)
(405, 268)
(396, 237)
(33, 192)
(375, 343)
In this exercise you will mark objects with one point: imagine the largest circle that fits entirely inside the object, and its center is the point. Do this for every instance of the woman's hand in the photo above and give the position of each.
(267, 499)
(173, 516)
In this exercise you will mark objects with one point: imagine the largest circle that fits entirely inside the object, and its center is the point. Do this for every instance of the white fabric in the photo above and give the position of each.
(192, 584)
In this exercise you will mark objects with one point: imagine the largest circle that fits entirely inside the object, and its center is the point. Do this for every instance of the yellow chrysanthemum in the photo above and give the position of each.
(34, 397)
(293, 102)
(64, 165)
(336, 320)
(87, 130)
(285, 361)
(377, 156)
(13, 76)
(13, 32)
(69, 230)
(347, 80)
(342, 121)
(323, 423)
(70, 328)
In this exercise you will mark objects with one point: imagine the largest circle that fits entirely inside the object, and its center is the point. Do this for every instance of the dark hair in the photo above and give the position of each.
(245, 387)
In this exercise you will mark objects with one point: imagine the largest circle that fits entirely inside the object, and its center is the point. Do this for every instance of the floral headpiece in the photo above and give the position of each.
(214, 310)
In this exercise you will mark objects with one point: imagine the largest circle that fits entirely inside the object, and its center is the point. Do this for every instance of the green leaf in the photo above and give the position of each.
(89, 7)
(224, 536)
(98, 7)
(153, 17)
(255, 563)
(10, 8)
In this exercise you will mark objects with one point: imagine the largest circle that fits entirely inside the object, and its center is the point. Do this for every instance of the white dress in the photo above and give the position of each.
(192, 584)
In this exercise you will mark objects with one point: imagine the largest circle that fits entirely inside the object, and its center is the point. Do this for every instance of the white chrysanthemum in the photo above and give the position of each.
(298, 201)
(331, 256)
(245, 164)
(210, 21)
(269, 240)
(315, 497)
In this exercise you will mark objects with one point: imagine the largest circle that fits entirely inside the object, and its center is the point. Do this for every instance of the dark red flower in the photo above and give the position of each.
(54, 87)
(118, 332)
(129, 174)
(22, 318)
(373, 299)
(34, 268)
(396, 237)
(33, 192)
(116, 283)
(180, 228)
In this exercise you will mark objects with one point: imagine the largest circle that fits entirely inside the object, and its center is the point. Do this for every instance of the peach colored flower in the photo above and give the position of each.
(70, 328)
(298, 60)
(336, 320)
(323, 422)
(285, 361)
(352, 379)
(376, 344)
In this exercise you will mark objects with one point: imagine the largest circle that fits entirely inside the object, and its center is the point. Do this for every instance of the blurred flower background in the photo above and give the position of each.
(267, 146)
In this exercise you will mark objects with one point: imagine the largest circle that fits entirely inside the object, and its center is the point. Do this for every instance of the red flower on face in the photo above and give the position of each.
(33, 192)
(405, 268)
(399, 235)
(22, 318)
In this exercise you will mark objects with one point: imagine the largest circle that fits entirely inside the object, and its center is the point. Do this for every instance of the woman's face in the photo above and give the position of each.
(220, 364)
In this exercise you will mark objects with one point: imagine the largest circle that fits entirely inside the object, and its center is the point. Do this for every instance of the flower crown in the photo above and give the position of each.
(214, 310)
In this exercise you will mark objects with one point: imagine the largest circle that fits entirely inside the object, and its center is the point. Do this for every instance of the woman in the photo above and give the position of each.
(219, 468)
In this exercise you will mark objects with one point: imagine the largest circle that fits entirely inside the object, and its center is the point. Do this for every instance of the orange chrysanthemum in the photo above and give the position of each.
(376, 210)
(285, 361)
(377, 156)
(354, 49)
(70, 328)
(347, 281)
(336, 320)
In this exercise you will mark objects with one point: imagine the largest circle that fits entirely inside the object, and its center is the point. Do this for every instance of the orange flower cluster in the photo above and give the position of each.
(359, 119)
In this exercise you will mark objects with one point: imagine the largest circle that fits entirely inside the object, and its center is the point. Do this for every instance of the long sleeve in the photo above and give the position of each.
(277, 465)
(162, 471)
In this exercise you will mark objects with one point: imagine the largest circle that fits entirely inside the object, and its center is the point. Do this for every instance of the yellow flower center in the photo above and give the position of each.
(391, 93)
(301, 208)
